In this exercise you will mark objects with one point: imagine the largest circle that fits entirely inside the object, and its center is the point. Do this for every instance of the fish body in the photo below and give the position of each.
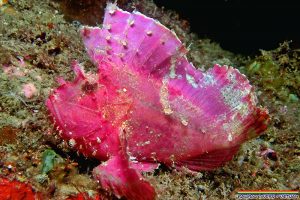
(148, 105)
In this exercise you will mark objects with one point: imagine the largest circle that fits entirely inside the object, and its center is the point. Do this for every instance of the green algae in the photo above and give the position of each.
(278, 72)
(48, 160)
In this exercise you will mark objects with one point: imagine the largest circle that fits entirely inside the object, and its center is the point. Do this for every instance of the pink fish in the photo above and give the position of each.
(148, 105)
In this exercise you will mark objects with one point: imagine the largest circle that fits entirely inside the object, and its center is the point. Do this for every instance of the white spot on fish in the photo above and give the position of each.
(184, 121)
(107, 26)
(98, 140)
(124, 43)
(149, 33)
(108, 38)
(172, 68)
(131, 23)
(191, 80)
(94, 152)
(233, 97)
(208, 79)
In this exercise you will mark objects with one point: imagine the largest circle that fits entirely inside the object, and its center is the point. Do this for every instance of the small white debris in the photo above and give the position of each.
(184, 121)
(132, 158)
(72, 142)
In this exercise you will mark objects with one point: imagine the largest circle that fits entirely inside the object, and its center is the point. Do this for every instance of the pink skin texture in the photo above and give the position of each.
(148, 105)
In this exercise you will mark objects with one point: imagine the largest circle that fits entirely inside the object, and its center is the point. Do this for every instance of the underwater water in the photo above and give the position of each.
(38, 42)
(242, 27)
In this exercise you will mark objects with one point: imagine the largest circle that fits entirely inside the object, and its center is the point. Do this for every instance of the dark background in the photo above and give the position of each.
(241, 26)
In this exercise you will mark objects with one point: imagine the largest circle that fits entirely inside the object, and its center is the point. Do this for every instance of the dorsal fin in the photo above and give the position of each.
(134, 40)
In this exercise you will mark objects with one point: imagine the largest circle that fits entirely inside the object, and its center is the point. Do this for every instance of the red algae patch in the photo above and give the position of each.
(15, 190)
(84, 196)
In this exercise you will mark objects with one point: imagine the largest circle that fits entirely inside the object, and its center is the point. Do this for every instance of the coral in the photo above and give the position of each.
(148, 104)
(16, 190)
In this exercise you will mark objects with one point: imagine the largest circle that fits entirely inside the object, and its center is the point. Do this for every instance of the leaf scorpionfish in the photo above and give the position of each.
(148, 105)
